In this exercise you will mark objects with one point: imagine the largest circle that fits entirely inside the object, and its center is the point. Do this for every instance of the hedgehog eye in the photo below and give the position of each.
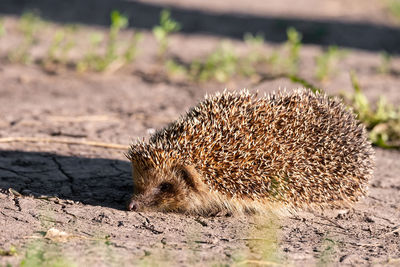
(165, 187)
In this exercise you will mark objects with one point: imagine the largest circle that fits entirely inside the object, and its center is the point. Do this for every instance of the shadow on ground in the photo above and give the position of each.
(93, 181)
(363, 35)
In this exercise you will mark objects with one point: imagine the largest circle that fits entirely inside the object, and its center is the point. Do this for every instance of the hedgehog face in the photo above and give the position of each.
(163, 189)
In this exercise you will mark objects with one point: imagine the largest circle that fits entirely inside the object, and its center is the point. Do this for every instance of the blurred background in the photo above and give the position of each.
(369, 24)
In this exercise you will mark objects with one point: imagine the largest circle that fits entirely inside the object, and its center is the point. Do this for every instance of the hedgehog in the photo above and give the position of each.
(236, 152)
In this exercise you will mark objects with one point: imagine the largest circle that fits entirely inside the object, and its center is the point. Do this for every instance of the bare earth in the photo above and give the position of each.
(82, 189)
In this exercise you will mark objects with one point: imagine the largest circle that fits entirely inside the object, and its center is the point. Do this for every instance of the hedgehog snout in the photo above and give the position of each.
(133, 205)
(141, 202)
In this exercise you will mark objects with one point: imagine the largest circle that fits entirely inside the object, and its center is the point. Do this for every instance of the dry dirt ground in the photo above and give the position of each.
(82, 190)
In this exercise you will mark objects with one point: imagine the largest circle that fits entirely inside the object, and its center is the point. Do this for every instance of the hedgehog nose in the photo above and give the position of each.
(133, 205)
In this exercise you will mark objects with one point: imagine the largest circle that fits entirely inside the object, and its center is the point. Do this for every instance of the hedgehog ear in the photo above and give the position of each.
(191, 177)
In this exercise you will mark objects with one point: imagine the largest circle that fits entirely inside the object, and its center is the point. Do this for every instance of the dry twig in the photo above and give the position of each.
(62, 141)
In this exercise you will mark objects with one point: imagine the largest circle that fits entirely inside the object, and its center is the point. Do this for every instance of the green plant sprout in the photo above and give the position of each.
(288, 63)
(40, 253)
(8, 252)
(305, 83)
(131, 51)
(253, 39)
(175, 69)
(327, 61)
(111, 59)
(60, 46)
(293, 45)
(29, 24)
(394, 8)
(274, 60)
(91, 57)
(220, 65)
(224, 63)
(386, 60)
(55, 45)
(118, 22)
(382, 122)
(263, 243)
(255, 56)
(255, 43)
(163, 31)
(2, 28)
(328, 253)
(68, 44)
